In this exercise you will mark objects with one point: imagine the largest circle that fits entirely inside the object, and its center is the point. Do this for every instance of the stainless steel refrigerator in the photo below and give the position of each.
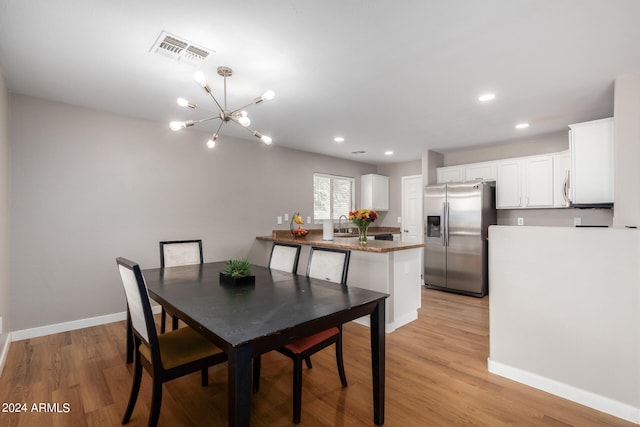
(457, 218)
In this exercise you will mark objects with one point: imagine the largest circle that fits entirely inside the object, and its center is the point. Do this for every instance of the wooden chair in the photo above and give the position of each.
(165, 357)
(175, 253)
(284, 256)
(326, 264)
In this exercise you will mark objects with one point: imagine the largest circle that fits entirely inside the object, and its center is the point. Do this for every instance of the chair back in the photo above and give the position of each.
(284, 256)
(180, 252)
(329, 264)
(138, 302)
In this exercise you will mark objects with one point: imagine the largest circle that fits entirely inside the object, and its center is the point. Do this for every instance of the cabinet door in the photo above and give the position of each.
(591, 146)
(538, 181)
(380, 192)
(561, 170)
(450, 174)
(508, 184)
(483, 171)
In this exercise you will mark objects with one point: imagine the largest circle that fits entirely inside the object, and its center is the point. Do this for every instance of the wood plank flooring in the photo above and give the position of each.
(436, 376)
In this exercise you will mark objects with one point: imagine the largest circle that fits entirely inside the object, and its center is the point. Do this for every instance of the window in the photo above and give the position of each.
(332, 196)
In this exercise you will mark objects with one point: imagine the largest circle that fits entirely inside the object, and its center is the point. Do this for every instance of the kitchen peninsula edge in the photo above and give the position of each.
(385, 266)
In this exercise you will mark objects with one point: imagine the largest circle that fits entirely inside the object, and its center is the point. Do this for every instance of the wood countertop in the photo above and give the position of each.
(314, 238)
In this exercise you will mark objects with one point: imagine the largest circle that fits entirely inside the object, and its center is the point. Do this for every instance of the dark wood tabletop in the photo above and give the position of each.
(248, 320)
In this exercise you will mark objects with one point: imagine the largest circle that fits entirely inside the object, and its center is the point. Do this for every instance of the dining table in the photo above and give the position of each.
(250, 319)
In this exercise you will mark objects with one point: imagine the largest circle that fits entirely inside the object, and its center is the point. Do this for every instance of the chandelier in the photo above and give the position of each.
(238, 116)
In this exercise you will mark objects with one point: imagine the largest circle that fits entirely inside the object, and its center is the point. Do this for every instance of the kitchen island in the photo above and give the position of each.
(385, 266)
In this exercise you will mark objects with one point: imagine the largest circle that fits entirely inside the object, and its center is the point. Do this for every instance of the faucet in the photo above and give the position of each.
(346, 220)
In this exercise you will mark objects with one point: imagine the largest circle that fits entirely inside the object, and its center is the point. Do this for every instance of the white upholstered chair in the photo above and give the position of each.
(327, 264)
(284, 256)
(165, 357)
(175, 253)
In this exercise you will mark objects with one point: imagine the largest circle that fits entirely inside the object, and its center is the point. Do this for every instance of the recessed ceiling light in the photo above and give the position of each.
(339, 139)
(522, 125)
(486, 97)
(388, 153)
(359, 152)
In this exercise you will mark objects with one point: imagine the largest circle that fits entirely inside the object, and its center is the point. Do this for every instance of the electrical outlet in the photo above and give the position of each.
(279, 220)
(399, 220)
(520, 220)
(308, 220)
(1, 330)
(286, 217)
(577, 220)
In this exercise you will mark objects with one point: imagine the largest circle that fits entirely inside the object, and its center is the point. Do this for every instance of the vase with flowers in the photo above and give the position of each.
(362, 218)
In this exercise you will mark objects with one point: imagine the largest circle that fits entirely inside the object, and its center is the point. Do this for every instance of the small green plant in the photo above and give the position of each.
(237, 268)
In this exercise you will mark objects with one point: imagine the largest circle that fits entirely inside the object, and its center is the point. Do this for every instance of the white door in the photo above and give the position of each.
(412, 209)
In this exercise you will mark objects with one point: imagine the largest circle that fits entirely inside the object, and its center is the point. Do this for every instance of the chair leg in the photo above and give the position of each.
(163, 321)
(297, 389)
(174, 323)
(129, 344)
(256, 373)
(205, 377)
(307, 360)
(135, 388)
(156, 400)
(343, 377)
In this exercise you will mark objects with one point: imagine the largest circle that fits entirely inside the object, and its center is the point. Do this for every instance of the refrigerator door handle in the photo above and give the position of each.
(446, 224)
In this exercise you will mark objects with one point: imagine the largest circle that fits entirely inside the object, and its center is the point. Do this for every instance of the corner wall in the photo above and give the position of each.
(4, 220)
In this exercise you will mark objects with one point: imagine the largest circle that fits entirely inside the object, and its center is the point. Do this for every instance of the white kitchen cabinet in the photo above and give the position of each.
(591, 146)
(485, 171)
(450, 174)
(561, 178)
(538, 182)
(509, 184)
(525, 182)
(374, 192)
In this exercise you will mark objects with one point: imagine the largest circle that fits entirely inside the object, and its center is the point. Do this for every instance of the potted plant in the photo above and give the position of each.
(237, 272)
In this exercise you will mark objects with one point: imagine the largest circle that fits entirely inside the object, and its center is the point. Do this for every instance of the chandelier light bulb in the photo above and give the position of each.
(269, 95)
(212, 141)
(176, 126)
(185, 103)
(244, 121)
(198, 76)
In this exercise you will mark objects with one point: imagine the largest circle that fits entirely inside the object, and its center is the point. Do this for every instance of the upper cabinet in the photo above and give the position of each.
(450, 174)
(485, 171)
(374, 192)
(525, 182)
(591, 146)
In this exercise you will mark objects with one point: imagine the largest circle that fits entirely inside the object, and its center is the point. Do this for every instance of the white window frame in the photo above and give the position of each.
(333, 215)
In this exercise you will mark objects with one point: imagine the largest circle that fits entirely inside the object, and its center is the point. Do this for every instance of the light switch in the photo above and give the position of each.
(399, 220)
(308, 220)
(286, 217)
(279, 220)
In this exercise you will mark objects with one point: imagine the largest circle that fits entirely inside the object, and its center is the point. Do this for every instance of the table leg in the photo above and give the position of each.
(239, 374)
(377, 328)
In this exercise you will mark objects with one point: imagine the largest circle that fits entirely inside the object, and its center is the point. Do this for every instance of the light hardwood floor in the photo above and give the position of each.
(436, 376)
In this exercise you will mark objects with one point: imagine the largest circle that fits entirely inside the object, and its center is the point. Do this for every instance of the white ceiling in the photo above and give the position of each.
(398, 75)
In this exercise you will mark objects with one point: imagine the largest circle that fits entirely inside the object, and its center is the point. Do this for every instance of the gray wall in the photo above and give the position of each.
(395, 172)
(87, 186)
(4, 210)
(551, 143)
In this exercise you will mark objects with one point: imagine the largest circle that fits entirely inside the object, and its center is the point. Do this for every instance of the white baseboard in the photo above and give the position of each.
(5, 351)
(72, 325)
(566, 391)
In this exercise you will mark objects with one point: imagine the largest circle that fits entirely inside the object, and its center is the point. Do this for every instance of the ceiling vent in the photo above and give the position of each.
(179, 49)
